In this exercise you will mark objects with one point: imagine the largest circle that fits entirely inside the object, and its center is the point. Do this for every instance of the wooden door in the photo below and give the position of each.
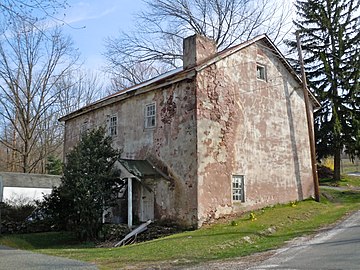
(146, 205)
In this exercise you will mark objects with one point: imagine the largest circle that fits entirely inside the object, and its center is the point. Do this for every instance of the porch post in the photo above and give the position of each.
(130, 216)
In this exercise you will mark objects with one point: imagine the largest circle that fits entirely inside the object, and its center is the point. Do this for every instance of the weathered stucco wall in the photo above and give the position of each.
(224, 122)
(250, 127)
(171, 144)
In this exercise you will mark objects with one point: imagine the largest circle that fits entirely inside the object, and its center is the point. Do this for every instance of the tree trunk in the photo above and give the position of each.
(25, 164)
(337, 162)
(13, 152)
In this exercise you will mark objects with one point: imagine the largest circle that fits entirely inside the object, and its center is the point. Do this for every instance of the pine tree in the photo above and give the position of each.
(53, 165)
(88, 187)
(330, 35)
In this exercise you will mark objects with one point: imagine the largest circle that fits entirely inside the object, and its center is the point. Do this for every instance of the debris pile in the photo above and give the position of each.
(113, 233)
(324, 172)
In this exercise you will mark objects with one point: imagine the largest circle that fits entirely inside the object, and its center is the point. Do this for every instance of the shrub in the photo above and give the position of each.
(88, 187)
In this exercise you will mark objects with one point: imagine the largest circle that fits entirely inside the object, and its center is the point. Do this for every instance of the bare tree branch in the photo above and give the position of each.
(30, 11)
(157, 40)
(31, 64)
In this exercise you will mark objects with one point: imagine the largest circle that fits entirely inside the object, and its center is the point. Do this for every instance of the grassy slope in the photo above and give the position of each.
(347, 166)
(243, 236)
(346, 181)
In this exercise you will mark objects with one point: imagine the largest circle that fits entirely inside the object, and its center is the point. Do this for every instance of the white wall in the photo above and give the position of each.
(16, 195)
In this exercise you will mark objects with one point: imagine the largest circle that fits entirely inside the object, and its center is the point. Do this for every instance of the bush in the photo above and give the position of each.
(88, 187)
(20, 218)
(16, 213)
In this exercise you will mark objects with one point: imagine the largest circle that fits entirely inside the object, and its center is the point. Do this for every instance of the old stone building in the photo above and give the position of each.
(225, 133)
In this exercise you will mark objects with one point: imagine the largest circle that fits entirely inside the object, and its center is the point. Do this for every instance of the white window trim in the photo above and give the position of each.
(265, 72)
(146, 116)
(241, 188)
(115, 126)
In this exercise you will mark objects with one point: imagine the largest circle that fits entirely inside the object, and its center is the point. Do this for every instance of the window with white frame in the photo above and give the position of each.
(261, 72)
(238, 193)
(112, 125)
(150, 115)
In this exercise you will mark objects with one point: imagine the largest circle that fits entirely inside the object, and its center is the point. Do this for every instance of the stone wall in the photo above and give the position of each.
(171, 145)
(29, 180)
(221, 121)
(250, 127)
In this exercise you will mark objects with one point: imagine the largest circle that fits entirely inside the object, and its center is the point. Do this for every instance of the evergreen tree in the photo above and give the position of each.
(330, 36)
(88, 187)
(53, 165)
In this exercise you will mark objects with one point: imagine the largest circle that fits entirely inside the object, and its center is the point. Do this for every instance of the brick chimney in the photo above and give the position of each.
(197, 48)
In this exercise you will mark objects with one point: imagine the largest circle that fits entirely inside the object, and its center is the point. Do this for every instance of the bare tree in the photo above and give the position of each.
(131, 73)
(30, 11)
(7, 157)
(32, 62)
(78, 89)
(156, 43)
(75, 89)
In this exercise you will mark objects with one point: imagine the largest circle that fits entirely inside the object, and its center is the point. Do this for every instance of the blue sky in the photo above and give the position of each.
(92, 21)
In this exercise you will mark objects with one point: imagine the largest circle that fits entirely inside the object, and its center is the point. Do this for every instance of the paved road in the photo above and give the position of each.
(335, 249)
(14, 259)
(338, 248)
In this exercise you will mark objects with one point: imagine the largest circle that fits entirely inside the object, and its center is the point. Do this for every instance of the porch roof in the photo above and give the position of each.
(141, 168)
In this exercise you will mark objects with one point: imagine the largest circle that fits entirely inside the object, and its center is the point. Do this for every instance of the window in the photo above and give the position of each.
(84, 127)
(150, 116)
(238, 188)
(261, 72)
(113, 125)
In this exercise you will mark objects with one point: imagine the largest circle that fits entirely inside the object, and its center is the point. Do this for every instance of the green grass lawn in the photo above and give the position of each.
(348, 166)
(271, 227)
(346, 181)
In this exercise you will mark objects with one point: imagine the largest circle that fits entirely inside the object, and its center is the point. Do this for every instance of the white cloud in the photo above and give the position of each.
(83, 11)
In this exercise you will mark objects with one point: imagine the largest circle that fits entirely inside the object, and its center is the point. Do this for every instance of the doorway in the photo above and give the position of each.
(146, 204)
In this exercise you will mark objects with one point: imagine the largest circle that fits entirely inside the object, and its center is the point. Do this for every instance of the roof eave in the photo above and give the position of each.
(132, 91)
(185, 74)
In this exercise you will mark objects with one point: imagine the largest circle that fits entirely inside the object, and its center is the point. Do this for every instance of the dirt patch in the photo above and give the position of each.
(328, 196)
(182, 264)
